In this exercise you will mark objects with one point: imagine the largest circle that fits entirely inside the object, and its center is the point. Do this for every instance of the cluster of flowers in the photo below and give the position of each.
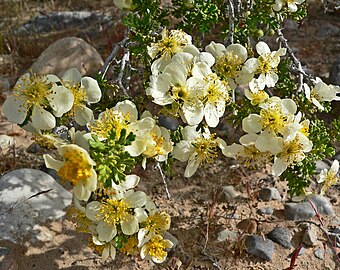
(195, 85)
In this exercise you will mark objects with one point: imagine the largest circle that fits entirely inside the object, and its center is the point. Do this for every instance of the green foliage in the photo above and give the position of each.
(112, 161)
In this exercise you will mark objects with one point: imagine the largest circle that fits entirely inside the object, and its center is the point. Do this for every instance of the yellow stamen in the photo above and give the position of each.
(130, 247)
(229, 65)
(206, 148)
(273, 119)
(113, 211)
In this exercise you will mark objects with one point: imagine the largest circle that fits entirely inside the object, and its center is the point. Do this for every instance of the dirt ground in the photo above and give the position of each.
(196, 211)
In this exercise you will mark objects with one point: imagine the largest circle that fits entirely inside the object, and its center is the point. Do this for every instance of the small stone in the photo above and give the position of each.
(6, 141)
(319, 253)
(228, 193)
(4, 84)
(309, 237)
(65, 53)
(173, 239)
(265, 211)
(281, 235)
(321, 165)
(304, 210)
(247, 226)
(3, 251)
(226, 235)
(259, 247)
(33, 148)
(268, 194)
(168, 122)
(9, 264)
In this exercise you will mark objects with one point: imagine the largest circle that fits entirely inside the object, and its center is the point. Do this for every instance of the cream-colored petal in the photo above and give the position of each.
(14, 109)
(192, 166)
(42, 119)
(129, 225)
(252, 124)
(61, 100)
(183, 150)
(128, 107)
(81, 192)
(83, 115)
(72, 76)
(136, 199)
(52, 163)
(92, 211)
(211, 115)
(262, 48)
(93, 92)
(105, 231)
(279, 166)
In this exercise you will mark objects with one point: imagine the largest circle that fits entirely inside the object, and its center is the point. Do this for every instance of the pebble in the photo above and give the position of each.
(259, 247)
(22, 216)
(268, 194)
(265, 211)
(321, 165)
(33, 148)
(228, 193)
(281, 235)
(310, 237)
(6, 141)
(304, 210)
(168, 122)
(226, 235)
(4, 84)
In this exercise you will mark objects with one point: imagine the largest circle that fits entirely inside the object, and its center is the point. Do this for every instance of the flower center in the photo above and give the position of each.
(113, 211)
(292, 151)
(264, 66)
(172, 43)
(76, 168)
(34, 90)
(111, 120)
(206, 148)
(159, 143)
(259, 97)
(273, 119)
(252, 157)
(130, 247)
(228, 65)
(156, 248)
(178, 93)
(216, 92)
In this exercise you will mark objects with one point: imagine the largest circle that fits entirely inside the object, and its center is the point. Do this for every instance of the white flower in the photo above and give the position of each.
(155, 249)
(85, 90)
(292, 4)
(76, 167)
(293, 151)
(196, 148)
(117, 210)
(321, 92)
(328, 177)
(229, 63)
(255, 94)
(39, 96)
(265, 65)
(211, 91)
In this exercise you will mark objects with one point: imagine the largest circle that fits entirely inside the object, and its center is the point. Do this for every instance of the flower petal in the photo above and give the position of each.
(129, 225)
(42, 119)
(105, 231)
(93, 92)
(61, 100)
(14, 109)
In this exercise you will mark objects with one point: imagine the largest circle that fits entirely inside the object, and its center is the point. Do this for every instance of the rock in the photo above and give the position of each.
(6, 141)
(334, 76)
(173, 239)
(268, 194)
(228, 193)
(168, 122)
(22, 213)
(66, 53)
(321, 165)
(259, 247)
(319, 253)
(304, 210)
(226, 235)
(265, 211)
(9, 264)
(33, 148)
(247, 226)
(4, 251)
(309, 237)
(57, 21)
(327, 30)
(4, 84)
(281, 235)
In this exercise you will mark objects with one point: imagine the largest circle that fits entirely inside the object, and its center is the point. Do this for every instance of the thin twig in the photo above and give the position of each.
(17, 203)
(296, 61)
(158, 166)
(231, 14)
(214, 261)
(123, 62)
(112, 56)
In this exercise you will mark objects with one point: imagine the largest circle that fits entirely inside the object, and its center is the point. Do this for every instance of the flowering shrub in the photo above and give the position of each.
(236, 77)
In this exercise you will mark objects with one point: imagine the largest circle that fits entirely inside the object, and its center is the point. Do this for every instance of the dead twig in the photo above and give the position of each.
(158, 166)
